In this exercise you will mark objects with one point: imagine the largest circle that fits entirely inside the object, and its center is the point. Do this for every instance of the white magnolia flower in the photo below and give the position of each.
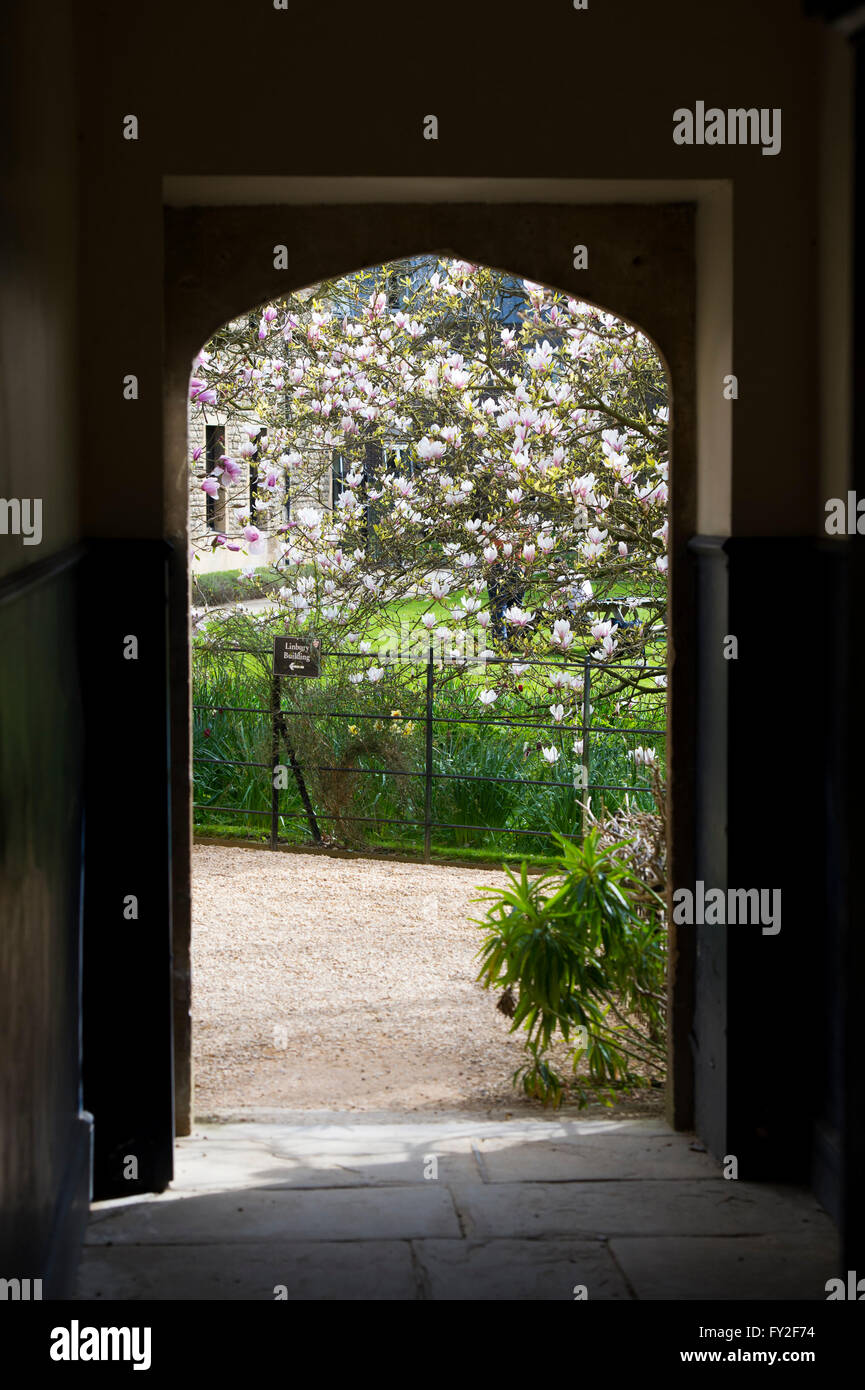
(488, 697)
(558, 713)
(517, 617)
(552, 755)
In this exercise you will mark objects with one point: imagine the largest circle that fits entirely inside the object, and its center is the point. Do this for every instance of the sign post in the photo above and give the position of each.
(292, 656)
(297, 656)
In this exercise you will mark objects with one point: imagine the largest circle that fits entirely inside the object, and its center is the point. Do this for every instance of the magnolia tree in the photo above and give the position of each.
(502, 453)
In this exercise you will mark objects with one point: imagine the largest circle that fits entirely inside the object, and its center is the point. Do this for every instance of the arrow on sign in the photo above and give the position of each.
(295, 666)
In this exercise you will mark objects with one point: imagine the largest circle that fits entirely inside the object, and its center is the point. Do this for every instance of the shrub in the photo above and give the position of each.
(584, 946)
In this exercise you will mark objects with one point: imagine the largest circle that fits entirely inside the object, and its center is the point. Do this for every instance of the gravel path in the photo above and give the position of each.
(323, 983)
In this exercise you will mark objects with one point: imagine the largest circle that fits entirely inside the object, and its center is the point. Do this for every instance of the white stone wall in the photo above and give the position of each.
(311, 487)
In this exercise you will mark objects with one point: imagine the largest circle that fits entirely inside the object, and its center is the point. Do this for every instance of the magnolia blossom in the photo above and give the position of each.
(558, 448)
(374, 674)
(200, 392)
(643, 757)
(551, 754)
(469, 605)
(430, 448)
(558, 713)
(541, 359)
(517, 617)
(488, 697)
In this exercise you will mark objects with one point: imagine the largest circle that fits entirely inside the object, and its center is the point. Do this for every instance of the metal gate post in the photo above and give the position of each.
(587, 681)
(274, 753)
(427, 810)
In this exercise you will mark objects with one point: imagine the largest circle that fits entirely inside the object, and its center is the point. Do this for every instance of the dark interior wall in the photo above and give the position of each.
(44, 1142)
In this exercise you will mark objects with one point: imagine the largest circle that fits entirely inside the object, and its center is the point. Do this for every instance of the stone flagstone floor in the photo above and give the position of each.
(347, 1207)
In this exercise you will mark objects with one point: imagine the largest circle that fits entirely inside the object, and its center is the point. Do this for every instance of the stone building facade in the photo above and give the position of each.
(215, 434)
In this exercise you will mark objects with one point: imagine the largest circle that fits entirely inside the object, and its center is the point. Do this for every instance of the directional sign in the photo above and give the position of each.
(296, 656)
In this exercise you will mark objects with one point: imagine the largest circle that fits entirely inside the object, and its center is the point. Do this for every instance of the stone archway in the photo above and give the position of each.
(642, 266)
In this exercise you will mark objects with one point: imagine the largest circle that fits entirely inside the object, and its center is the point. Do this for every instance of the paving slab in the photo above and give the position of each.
(730, 1267)
(227, 1165)
(309, 1270)
(593, 1157)
(518, 1270)
(663, 1208)
(394, 1213)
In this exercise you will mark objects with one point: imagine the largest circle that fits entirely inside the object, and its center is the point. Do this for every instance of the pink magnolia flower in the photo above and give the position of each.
(201, 393)
(540, 359)
(211, 487)
(518, 617)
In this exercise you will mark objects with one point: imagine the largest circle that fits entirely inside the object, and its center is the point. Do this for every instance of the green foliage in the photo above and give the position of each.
(584, 945)
(214, 587)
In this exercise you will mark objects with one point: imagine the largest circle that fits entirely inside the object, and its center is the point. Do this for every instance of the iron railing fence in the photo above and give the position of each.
(277, 713)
